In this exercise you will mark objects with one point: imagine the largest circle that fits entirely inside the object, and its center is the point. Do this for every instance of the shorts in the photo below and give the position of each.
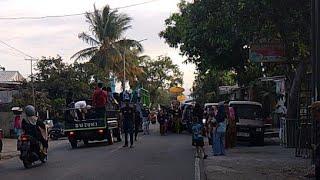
(196, 142)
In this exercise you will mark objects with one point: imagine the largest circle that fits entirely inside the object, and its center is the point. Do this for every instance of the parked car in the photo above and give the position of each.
(250, 124)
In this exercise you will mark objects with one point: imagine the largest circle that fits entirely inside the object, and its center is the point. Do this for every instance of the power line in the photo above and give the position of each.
(69, 15)
(10, 53)
(21, 52)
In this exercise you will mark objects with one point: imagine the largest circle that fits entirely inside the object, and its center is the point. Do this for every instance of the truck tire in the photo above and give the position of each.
(73, 143)
(259, 141)
(109, 137)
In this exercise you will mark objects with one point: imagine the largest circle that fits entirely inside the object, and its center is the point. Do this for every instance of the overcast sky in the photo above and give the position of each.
(52, 36)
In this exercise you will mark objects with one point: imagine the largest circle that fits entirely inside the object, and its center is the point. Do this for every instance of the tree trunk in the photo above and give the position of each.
(295, 91)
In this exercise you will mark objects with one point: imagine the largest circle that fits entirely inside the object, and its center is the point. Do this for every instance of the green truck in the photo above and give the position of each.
(91, 128)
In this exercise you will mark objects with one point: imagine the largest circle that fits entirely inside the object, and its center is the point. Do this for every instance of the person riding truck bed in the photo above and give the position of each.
(99, 101)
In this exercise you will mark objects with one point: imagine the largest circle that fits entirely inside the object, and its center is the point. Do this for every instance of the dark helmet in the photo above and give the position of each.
(30, 110)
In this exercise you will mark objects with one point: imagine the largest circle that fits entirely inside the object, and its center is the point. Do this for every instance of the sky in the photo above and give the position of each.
(59, 36)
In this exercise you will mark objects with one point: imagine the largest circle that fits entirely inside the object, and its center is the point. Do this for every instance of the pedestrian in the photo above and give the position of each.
(232, 128)
(162, 121)
(137, 122)
(315, 110)
(219, 136)
(128, 121)
(197, 138)
(211, 124)
(17, 125)
(145, 120)
(99, 100)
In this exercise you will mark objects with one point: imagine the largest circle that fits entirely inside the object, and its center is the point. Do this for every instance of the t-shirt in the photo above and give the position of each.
(99, 98)
(127, 113)
(197, 132)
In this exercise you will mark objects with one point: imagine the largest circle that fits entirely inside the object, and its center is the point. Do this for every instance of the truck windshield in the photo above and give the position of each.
(247, 111)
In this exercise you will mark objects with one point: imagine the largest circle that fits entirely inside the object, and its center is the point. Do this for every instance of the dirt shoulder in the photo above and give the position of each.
(267, 162)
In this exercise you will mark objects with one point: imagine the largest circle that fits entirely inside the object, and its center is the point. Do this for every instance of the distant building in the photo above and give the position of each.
(9, 85)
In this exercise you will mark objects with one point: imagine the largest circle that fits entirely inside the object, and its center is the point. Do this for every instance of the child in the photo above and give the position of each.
(197, 138)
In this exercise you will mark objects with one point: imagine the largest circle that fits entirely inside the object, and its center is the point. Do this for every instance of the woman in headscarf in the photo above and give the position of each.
(219, 137)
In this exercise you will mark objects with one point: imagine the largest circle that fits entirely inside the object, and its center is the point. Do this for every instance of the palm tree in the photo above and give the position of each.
(108, 47)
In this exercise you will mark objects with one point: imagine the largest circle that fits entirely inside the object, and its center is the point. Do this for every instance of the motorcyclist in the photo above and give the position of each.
(32, 126)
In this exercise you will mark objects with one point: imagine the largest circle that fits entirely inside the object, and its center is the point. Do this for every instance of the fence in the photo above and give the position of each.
(298, 135)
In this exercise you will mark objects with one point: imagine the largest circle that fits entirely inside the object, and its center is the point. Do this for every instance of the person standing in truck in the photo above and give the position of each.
(99, 100)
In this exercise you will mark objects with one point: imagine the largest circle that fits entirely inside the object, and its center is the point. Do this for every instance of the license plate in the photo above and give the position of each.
(243, 134)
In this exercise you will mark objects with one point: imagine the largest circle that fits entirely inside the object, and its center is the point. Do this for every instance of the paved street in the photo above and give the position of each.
(153, 157)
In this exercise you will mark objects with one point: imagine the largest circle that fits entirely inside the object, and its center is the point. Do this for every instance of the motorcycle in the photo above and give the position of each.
(31, 150)
(56, 133)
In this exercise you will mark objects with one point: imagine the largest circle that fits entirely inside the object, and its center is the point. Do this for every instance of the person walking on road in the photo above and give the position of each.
(128, 115)
(162, 121)
(137, 122)
(315, 111)
(145, 120)
(219, 136)
(197, 138)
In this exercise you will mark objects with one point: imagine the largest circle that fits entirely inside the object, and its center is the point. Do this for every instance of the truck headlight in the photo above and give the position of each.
(259, 129)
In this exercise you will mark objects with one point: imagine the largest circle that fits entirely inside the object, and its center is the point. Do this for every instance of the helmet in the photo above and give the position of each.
(30, 110)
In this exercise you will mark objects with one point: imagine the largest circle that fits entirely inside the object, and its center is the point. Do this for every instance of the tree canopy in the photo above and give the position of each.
(109, 48)
(212, 34)
(159, 75)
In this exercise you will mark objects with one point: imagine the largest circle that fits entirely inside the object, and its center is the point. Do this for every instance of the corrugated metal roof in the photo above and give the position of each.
(10, 76)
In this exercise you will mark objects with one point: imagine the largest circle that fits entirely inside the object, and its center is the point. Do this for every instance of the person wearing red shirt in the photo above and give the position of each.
(99, 101)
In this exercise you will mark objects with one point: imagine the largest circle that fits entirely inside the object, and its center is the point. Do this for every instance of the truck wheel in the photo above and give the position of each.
(73, 143)
(109, 137)
(260, 141)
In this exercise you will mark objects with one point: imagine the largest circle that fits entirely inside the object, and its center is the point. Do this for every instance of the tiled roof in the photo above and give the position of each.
(10, 76)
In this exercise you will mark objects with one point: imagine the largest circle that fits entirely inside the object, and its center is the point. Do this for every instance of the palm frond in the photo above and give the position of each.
(85, 53)
(88, 39)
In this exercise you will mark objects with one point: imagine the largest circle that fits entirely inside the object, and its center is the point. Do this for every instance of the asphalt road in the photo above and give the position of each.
(153, 157)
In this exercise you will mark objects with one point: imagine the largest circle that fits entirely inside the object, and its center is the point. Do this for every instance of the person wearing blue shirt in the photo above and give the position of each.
(197, 138)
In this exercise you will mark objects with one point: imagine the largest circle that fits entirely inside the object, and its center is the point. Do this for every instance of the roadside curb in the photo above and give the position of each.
(8, 155)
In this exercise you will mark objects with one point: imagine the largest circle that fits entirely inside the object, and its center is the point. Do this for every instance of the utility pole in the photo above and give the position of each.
(124, 67)
(32, 82)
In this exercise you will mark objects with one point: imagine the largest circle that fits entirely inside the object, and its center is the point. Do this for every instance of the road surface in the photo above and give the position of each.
(153, 157)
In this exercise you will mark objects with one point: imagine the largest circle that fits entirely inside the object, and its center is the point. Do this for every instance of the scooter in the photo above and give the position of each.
(29, 151)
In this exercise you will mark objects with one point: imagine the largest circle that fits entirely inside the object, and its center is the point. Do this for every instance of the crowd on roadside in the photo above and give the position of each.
(217, 123)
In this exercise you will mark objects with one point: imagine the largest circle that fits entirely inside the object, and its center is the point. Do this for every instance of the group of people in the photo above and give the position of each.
(133, 118)
(219, 127)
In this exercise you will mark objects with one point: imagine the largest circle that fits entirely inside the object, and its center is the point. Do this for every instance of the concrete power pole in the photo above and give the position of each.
(32, 81)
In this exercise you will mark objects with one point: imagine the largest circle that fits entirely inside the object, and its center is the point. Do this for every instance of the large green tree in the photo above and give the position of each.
(158, 76)
(109, 48)
(213, 33)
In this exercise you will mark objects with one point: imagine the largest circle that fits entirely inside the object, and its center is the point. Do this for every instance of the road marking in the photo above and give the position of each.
(197, 175)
